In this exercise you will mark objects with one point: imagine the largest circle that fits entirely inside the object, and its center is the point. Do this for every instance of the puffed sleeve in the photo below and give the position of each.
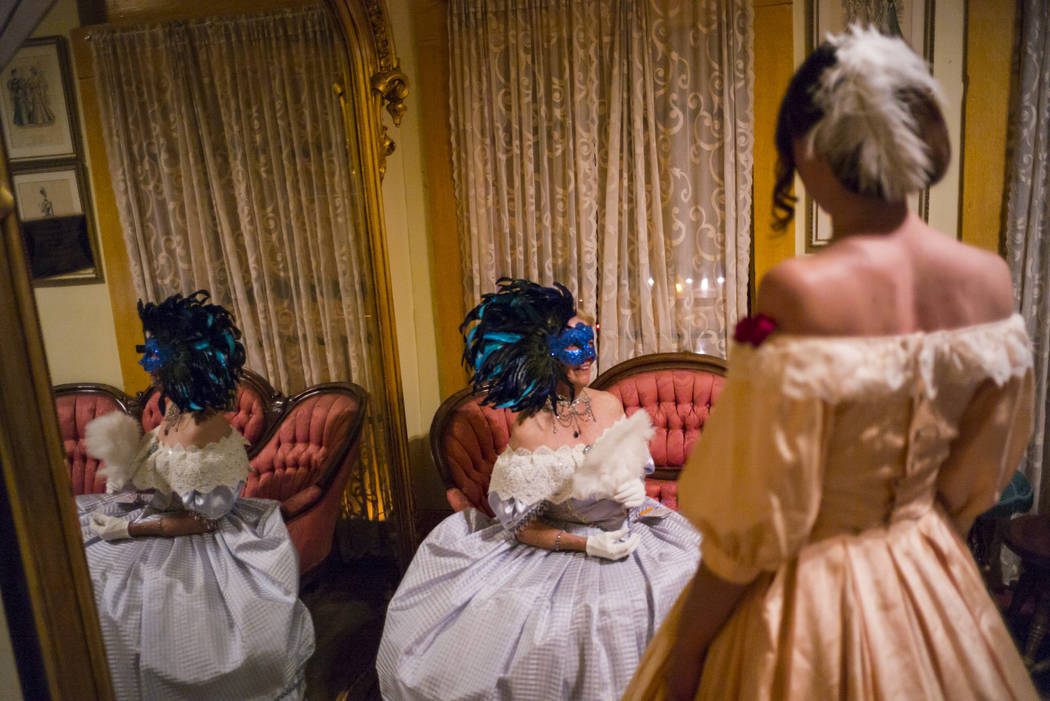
(993, 434)
(752, 484)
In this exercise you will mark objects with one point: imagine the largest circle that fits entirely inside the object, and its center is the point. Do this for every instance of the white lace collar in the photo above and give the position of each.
(837, 368)
(183, 469)
(548, 474)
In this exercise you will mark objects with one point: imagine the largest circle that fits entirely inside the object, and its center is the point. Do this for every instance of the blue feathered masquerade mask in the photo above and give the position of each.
(574, 345)
(509, 344)
(193, 349)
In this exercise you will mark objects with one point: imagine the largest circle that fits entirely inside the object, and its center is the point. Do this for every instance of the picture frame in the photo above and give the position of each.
(37, 103)
(913, 21)
(54, 211)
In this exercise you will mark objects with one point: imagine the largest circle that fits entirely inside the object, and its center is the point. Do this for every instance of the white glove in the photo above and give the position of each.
(109, 527)
(612, 545)
(631, 493)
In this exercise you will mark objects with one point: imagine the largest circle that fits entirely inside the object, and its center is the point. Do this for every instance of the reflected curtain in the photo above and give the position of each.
(607, 145)
(229, 163)
(1028, 219)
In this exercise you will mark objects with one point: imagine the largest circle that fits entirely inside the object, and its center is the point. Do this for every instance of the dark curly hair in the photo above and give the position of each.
(202, 353)
(507, 349)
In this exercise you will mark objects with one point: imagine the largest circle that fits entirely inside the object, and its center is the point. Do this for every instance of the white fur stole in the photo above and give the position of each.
(115, 439)
(618, 456)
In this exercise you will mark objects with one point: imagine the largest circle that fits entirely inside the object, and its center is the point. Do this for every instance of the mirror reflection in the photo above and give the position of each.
(256, 446)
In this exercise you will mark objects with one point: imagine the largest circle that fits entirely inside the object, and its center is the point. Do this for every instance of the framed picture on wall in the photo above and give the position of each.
(56, 225)
(37, 103)
(912, 20)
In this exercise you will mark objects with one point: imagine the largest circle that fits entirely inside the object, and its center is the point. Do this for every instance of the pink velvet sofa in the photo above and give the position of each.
(677, 389)
(302, 449)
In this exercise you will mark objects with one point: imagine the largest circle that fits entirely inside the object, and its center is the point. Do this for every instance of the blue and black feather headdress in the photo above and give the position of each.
(507, 348)
(196, 349)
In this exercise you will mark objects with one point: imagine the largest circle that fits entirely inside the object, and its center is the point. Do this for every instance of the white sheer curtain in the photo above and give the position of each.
(1028, 221)
(607, 145)
(229, 162)
(228, 157)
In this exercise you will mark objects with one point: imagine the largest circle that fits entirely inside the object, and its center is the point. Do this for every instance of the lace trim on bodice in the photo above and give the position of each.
(547, 474)
(532, 476)
(184, 469)
(844, 368)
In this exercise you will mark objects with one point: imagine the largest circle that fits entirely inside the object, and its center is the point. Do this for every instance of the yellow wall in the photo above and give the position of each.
(990, 39)
(408, 240)
(774, 66)
(76, 320)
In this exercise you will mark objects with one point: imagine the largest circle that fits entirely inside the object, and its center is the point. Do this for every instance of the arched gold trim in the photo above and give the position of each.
(364, 25)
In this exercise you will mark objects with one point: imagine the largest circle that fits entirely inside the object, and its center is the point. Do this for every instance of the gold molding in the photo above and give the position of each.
(370, 55)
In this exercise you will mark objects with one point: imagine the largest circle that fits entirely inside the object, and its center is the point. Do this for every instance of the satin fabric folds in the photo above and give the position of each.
(835, 475)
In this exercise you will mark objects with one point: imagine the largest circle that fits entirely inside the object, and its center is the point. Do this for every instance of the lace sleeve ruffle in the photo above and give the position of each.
(836, 369)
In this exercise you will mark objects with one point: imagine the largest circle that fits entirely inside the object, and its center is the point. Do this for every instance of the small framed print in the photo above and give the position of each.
(36, 102)
(56, 225)
(911, 20)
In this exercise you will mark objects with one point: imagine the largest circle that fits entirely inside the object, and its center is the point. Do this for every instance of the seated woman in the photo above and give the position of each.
(196, 588)
(559, 595)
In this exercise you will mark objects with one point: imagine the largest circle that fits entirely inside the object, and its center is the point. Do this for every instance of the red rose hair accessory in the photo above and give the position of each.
(754, 329)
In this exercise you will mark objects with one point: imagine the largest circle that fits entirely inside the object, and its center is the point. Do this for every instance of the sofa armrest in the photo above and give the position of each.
(300, 501)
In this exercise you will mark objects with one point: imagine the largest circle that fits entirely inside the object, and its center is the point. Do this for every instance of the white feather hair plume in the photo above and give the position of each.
(864, 115)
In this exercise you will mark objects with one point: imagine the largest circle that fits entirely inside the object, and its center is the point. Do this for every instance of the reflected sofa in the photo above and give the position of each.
(677, 389)
(302, 449)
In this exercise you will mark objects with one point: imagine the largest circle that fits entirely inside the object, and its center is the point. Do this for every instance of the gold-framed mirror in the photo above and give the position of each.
(51, 616)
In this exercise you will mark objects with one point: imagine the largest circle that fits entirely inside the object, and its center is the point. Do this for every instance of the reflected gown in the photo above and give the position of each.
(836, 476)
(210, 616)
(480, 615)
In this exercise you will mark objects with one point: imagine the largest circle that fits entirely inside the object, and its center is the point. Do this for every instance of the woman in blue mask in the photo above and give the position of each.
(196, 587)
(558, 595)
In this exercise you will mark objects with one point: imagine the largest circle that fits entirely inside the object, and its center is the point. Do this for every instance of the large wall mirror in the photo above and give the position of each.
(47, 593)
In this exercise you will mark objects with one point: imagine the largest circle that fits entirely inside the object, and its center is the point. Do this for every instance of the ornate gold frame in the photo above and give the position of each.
(375, 82)
(46, 587)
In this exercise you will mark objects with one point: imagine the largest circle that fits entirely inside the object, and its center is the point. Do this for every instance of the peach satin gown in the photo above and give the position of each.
(836, 476)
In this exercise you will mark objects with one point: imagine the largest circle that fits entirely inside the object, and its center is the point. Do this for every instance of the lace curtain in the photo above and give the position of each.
(229, 164)
(607, 145)
(1028, 219)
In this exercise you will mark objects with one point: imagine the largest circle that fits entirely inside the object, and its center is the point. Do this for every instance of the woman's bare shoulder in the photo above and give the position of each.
(605, 402)
(210, 430)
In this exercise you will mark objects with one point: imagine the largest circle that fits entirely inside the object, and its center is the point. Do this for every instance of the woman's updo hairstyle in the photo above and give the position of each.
(867, 105)
(203, 356)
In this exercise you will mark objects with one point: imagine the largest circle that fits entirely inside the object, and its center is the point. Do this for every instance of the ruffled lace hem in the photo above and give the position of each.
(844, 368)
(184, 469)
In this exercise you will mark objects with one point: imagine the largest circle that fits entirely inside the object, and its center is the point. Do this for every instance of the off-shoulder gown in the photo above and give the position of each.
(480, 615)
(210, 616)
(837, 475)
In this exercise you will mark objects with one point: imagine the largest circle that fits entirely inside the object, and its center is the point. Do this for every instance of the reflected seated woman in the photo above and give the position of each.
(558, 596)
(196, 588)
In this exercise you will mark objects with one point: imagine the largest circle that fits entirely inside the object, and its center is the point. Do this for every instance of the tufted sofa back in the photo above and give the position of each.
(677, 389)
(302, 449)
(465, 440)
(76, 406)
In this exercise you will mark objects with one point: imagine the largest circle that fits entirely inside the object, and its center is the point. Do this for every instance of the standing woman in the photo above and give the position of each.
(557, 597)
(196, 588)
(853, 447)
